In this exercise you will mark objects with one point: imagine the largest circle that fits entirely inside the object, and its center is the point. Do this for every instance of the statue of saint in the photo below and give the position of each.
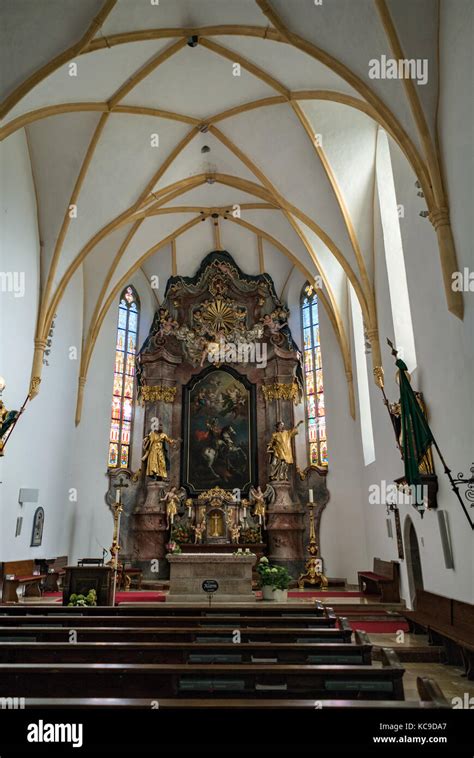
(154, 453)
(279, 449)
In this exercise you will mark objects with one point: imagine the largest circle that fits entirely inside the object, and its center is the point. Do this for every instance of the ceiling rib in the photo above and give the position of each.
(28, 84)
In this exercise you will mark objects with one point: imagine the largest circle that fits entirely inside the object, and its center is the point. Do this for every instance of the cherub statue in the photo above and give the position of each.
(279, 449)
(172, 499)
(235, 533)
(214, 348)
(199, 530)
(260, 500)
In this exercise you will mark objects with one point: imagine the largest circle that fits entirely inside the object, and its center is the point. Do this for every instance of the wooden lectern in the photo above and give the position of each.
(80, 579)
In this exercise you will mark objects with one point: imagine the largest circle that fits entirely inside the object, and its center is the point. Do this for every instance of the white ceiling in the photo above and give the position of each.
(324, 214)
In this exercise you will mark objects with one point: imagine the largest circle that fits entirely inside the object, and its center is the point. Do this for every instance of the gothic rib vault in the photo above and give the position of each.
(123, 98)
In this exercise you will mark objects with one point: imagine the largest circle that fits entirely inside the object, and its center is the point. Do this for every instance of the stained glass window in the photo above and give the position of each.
(314, 385)
(124, 380)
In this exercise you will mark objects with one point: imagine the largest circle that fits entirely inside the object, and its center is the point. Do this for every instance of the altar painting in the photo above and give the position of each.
(219, 445)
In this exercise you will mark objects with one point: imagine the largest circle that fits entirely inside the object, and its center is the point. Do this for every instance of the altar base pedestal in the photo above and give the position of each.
(149, 533)
(285, 530)
(232, 573)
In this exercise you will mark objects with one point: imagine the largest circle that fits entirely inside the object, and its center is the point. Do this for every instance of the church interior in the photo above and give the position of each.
(237, 362)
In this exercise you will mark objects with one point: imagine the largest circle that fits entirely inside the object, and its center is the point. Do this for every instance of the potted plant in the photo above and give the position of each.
(274, 580)
(282, 582)
(83, 600)
(266, 578)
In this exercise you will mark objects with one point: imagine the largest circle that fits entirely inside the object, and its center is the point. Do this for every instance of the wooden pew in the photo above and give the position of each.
(20, 574)
(50, 633)
(383, 580)
(55, 571)
(446, 621)
(430, 694)
(258, 608)
(76, 620)
(198, 680)
(359, 653)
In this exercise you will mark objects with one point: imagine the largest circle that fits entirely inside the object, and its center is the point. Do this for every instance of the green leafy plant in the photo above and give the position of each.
(83, 600)
(276, 577)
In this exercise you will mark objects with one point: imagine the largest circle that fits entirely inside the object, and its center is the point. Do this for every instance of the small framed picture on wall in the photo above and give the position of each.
(38, 522)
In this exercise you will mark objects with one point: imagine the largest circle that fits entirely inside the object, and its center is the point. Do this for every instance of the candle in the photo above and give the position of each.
(189, 511)
(117, 495)
(310, 492)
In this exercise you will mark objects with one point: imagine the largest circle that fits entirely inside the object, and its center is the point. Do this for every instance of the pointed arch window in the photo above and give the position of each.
(124, 379)
(313, 374)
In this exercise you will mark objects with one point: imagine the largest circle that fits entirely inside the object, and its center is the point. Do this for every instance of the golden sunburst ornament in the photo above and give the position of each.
(221, 315)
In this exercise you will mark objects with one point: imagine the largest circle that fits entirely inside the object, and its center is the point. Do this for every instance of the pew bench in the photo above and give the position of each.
(330, 653)
(205, 622)
(198, 680)
(448, 622)
(383, 581)
(259, 608)
(59, 633)
(431, 697)
(22, 574)
(56, 570)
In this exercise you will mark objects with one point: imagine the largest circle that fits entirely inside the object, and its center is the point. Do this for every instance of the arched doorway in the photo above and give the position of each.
(413, 558)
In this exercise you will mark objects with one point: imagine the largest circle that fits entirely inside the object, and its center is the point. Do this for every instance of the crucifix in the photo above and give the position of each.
(115, 549)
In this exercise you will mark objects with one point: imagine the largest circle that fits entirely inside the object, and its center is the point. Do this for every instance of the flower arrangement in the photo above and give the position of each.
(276, 577)
(182, 533)
(83, 600)
(173, 547)
(250, 536)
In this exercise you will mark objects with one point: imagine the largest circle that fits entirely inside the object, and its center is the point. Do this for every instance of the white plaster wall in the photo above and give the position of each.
(39, 452)
(91, 520)
(445, 376)
(343, 544)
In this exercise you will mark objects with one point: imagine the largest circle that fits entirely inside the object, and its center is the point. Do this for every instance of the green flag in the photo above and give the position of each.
(416, 434)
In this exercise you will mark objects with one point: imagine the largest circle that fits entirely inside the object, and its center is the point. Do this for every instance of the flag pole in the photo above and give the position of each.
(447, 470)
(379, 378)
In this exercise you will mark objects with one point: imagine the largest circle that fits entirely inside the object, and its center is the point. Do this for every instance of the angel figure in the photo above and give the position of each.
(172, 499)
(235, 533)
(260, 500)
(272, 324)
(199, 530)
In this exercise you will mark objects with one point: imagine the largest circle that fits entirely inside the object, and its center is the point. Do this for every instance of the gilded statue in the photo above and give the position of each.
(172, 500)
(199, 530)
(260, 501)
(280, 452)
(235, 533)
(154, 453)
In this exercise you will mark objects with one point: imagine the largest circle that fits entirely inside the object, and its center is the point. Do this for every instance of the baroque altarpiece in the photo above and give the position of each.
(218, 375)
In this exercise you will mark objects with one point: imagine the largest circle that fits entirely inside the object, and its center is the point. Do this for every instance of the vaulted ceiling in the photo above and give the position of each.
(177, 127)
